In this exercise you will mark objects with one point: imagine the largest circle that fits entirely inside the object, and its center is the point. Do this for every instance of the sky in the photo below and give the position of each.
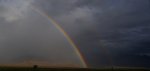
(107, 32)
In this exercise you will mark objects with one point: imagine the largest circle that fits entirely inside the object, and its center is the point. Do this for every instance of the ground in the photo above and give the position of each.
(64, 69)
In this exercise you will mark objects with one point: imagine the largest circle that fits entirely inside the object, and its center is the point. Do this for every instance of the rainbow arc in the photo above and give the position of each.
(63, 33)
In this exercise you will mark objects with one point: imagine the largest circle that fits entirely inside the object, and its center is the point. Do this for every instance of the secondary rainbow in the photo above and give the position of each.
(63, 33)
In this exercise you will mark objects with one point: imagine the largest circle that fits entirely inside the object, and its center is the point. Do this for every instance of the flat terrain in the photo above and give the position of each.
(64, 69)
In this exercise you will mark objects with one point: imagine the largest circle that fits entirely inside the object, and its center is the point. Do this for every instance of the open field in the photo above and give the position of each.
(65, 69)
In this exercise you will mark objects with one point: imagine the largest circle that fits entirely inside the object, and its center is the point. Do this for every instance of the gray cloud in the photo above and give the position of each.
(28, 36)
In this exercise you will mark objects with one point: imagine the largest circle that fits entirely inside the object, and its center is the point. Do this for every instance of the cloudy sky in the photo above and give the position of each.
(107, 32)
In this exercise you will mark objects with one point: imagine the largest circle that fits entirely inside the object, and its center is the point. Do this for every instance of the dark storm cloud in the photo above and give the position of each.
(104, 29)
(124, 27)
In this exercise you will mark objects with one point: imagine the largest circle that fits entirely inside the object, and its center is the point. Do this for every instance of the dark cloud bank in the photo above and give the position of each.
(108, 32)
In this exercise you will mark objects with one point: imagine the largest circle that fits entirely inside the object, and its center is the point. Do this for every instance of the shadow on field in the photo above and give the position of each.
(36, 68)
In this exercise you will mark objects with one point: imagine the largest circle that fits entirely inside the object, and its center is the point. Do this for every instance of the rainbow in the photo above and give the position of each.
(84, 64)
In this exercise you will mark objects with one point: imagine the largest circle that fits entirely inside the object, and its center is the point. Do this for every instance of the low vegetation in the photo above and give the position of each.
(64, 69)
